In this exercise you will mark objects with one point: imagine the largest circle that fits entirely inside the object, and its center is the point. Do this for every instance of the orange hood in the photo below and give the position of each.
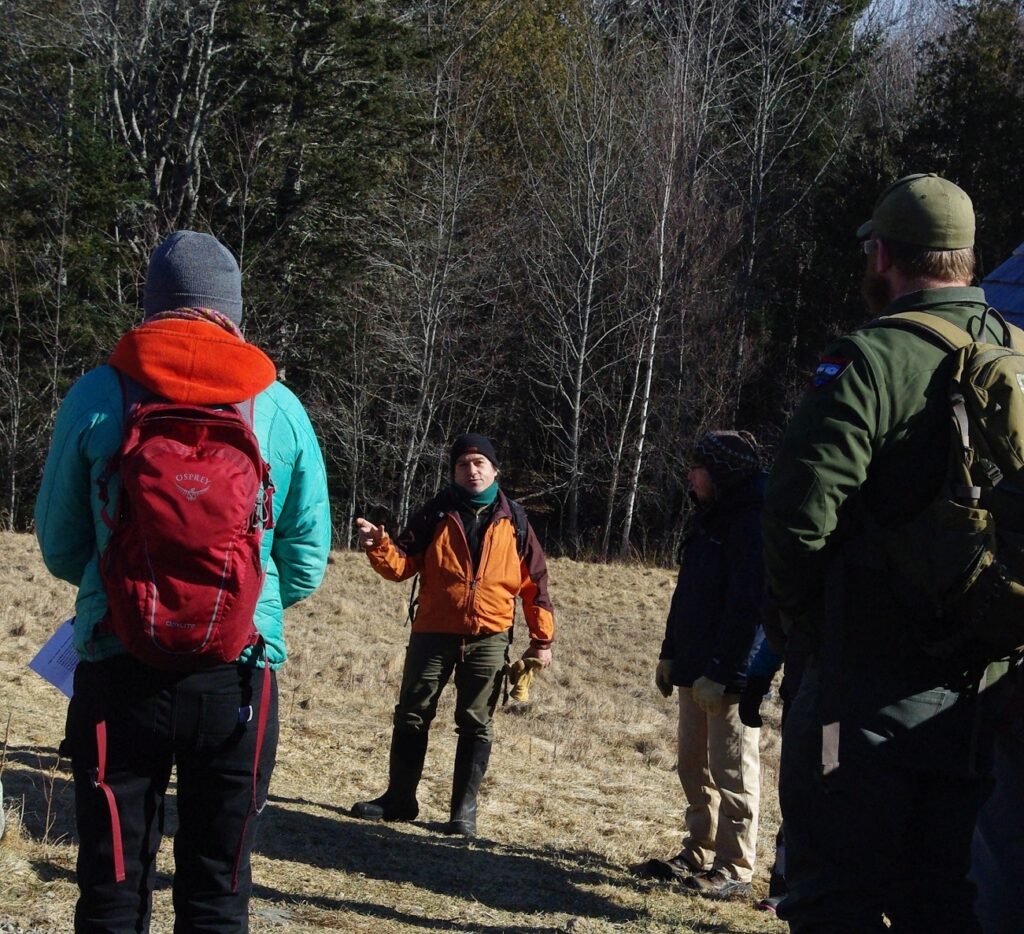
(193, 361)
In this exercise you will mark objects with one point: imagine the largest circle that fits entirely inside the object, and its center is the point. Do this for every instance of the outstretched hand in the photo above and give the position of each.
(370, 535)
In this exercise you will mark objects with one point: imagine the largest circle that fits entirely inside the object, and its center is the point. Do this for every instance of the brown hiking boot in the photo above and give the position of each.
(678, 867)
(717, 884)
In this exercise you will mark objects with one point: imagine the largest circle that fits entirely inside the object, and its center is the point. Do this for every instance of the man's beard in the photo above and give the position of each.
(876, 291)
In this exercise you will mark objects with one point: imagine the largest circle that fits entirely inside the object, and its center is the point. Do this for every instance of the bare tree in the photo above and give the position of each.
(427, 272)
(579, 149)
(163, 92)
(787, 92)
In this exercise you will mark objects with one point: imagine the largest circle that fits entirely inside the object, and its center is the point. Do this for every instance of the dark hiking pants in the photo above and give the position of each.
(478, 663)
(874, 836)
(205, 724)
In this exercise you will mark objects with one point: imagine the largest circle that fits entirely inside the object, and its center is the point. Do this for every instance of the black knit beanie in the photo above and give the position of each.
(731, 457)
(473, 444)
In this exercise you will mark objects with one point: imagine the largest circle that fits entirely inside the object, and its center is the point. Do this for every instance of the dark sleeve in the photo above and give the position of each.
(668, 644)
(741, 613)
(823, 458)
(537, 606)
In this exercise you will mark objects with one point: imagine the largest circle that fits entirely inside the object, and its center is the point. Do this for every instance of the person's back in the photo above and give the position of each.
(884, 748)
(184, 352)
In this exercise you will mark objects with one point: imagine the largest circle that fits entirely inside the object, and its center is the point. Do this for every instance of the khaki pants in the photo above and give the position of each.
(720, 771)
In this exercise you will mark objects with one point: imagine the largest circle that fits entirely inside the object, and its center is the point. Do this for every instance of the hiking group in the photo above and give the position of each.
(879, 564)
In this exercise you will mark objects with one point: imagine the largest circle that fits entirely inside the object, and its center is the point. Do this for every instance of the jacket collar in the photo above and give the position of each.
(452, 503)
(927, 298)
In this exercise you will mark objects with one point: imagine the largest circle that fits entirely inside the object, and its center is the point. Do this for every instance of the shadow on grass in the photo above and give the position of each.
(594, 861)
(516, 879)
(387, 913)
(51, 872)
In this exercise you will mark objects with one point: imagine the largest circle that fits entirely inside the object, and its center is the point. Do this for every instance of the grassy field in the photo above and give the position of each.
(581, 785)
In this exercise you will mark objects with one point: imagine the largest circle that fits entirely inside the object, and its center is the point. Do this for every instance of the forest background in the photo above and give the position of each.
(593, 229)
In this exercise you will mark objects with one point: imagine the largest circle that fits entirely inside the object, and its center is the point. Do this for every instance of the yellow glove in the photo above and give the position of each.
(521, 674)
(663, 677)
(707, 695)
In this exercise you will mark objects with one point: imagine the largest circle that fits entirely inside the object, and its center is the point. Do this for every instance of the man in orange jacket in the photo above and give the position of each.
(475, 553)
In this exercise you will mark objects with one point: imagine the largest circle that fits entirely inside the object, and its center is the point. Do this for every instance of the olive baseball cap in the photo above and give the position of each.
(923, 210)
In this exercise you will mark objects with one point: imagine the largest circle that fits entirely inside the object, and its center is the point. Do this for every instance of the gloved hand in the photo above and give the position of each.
(750, 700)
(707, 695)
(521, 674)
(663, 677)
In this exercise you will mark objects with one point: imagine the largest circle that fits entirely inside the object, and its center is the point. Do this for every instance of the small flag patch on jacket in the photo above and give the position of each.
(828, 371)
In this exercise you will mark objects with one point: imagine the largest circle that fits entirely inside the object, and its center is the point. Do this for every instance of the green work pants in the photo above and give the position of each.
(478, 663)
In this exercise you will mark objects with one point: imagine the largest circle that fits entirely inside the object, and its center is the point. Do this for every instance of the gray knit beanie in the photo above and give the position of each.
(193, 270)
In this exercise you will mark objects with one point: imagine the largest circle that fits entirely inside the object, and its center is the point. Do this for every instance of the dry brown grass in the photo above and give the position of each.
(582, 782)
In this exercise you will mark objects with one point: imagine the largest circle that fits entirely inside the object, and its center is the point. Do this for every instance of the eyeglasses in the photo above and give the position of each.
(868, 246)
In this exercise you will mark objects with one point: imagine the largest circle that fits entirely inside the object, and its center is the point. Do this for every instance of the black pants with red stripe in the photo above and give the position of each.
(205, 724)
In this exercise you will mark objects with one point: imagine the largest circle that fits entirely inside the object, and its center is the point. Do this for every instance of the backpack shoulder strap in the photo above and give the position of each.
(926, 325)
(1016, 336)
(132, 393)
(521, 524)
(247, 411)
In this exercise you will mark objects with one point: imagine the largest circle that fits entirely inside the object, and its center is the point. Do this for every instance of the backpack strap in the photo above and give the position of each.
(953, 338)
(261, 731)
(521, 524)
(132, 393)
(950, 335)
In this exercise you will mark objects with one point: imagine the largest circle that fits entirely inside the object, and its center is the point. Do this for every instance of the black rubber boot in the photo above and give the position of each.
(471, 757)
(398, 803)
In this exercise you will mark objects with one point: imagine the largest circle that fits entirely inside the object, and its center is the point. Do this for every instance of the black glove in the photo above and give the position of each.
(750, 700)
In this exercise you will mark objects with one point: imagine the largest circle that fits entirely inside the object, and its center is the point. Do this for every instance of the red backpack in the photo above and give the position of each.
(182, 570)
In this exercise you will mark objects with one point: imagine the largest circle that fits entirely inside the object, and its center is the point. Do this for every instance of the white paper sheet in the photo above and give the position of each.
(57, 659)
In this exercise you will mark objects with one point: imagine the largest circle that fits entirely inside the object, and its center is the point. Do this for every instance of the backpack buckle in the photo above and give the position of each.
(991, 471)
(262, 508)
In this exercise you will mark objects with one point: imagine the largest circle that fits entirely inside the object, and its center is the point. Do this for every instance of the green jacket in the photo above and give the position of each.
(871, 436)
(867, 444)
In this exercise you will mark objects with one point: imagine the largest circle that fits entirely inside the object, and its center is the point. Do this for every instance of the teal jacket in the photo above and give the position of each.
(88, 431)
